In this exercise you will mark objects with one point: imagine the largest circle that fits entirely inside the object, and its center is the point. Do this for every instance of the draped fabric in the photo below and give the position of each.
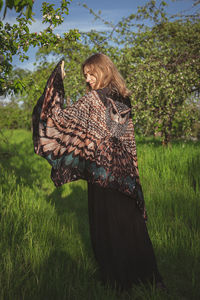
(92, 139)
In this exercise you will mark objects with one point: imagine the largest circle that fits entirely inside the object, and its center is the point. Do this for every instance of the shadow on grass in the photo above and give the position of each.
(180, 272)
(178, 268)
(75, 203)
(193, 172)
(60, 277)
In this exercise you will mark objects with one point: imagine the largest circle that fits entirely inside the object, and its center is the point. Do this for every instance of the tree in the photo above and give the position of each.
(16, 39)
(161, 64)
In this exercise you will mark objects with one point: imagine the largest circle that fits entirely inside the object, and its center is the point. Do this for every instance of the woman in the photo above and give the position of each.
(93, 139)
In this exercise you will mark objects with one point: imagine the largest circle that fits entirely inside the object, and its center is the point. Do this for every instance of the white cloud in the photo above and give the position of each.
(29, 65)
(37, 26)
(78, 18)
(81, 24)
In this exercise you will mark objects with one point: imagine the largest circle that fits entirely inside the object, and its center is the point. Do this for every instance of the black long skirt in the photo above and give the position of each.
(120, 239)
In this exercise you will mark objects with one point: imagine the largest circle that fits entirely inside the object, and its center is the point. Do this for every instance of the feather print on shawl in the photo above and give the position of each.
(93, 139)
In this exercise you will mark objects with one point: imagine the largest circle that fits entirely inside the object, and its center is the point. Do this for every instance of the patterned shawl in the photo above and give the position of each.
(93, 139)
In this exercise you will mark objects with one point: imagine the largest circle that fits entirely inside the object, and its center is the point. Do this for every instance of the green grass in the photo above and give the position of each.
(44, 238)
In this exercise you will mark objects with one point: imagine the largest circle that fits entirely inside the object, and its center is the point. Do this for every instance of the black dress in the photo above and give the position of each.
(120, 239)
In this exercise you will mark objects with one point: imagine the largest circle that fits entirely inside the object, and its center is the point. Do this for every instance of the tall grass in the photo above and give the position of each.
(44, 238)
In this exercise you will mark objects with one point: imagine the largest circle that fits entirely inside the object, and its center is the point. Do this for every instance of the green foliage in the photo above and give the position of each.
(14, 117)
(161, 64)
(16, 39)
(54, 16)
(19, 6)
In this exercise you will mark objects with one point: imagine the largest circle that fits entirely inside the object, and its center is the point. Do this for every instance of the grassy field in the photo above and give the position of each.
(44, 238)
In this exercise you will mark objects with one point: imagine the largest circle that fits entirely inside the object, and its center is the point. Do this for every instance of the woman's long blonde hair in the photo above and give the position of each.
(107, 75)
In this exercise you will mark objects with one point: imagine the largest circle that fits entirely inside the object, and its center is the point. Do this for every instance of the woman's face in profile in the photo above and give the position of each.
(89, 78)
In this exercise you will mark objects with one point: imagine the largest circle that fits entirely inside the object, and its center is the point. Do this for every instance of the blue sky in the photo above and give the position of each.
(79, 17)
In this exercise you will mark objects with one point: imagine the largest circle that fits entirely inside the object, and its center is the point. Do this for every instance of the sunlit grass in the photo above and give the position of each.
(44, 238)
